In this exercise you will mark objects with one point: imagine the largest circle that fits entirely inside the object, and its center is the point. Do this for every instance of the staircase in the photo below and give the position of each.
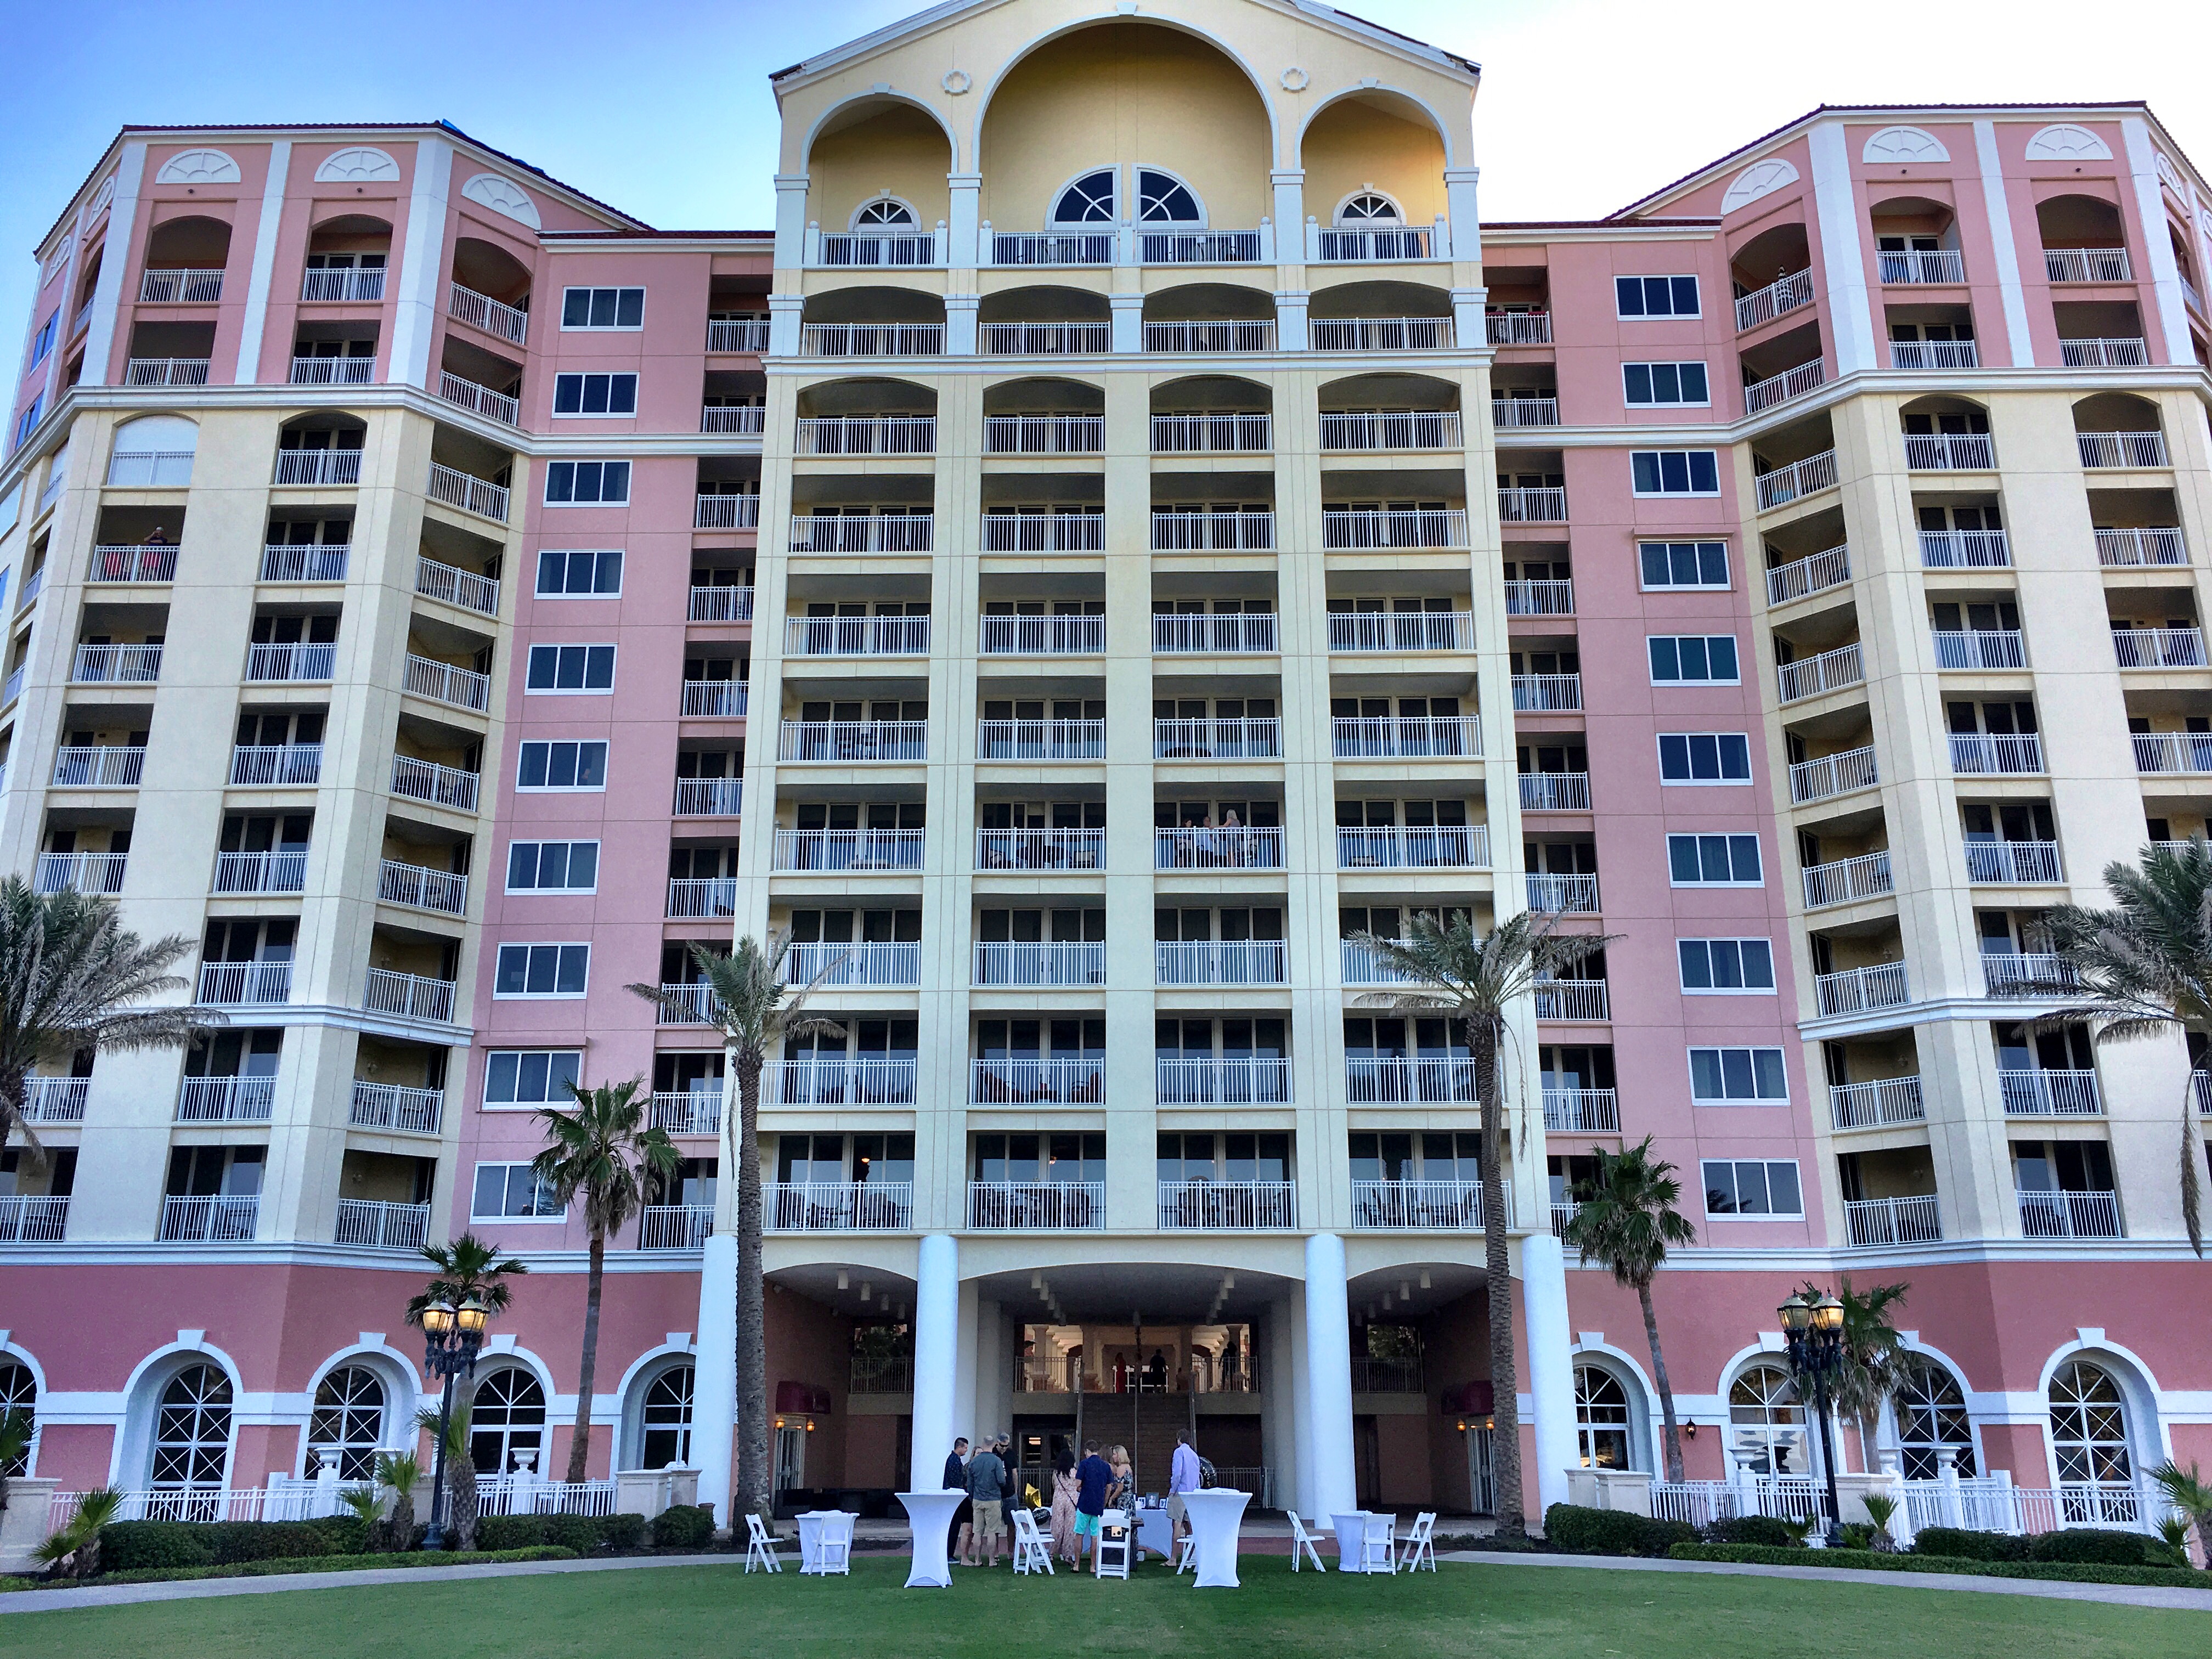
(1158, 1418)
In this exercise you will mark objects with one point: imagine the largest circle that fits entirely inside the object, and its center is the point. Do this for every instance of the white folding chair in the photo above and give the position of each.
(1302, 1545)
(760, 1551)
(1378, 1548)
(1031, 1550)
(1418, 1544)
(1110, 1556)
(833, 1552)
(1187, 1555)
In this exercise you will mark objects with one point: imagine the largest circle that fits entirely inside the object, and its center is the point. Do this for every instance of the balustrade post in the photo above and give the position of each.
(1947, 1478)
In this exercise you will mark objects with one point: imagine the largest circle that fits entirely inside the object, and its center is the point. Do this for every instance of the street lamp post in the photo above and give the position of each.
(1813, 1327)
(451, 1339)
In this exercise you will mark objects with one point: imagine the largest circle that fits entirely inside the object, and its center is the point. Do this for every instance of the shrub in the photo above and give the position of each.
(2086, 1572)
(622, 1532)
(2090, 1544)
(137, 1546)
(511, 1532)
(1958, 1543)
(1580, 1531)
(580, 1532)
(687, 1526)
(1753, 1529)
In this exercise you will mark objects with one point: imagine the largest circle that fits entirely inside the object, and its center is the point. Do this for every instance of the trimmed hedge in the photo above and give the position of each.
(1580, 1531)
(358, 1563)
(1753, 1530)
(2101, 1548)
(2082, 1572)
(684, 1526)
(135, 1545)
(582, 1533)
(1961, 1544)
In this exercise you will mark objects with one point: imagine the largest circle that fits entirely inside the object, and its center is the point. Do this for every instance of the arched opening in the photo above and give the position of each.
(153, 451)
(1379, 316)
(493, 289)
(2084, 239)
(321, 447)
(506, 1421)
(1415, 411)
(346, 259)
(1037, 415)
(1947, 435)
(1766, 1422)
(19, 1398)
(185, 260)
(873, 322)
(1916, 241)
(863, 416)
(2101, 1442)
(1211, 413)
(2137, 522)
(657, 1415)
(1771, 274)
(875, 184)
(1375, 179)
(1045, 322)
(1612, 1423)
(346, 1429)
(1209, 317)
(191, 1431)
(1931, 1418)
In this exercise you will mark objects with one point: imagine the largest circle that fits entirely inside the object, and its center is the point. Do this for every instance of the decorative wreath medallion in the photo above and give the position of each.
(956, 81)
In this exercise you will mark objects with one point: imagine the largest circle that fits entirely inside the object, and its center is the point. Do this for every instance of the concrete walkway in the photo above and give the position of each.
(2133, 1596)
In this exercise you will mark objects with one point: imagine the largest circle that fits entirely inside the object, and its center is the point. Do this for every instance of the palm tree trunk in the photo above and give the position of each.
(580, 1443)
(461, 1501)
(756, 1473)
(1666, 1388)
(1504, 1385)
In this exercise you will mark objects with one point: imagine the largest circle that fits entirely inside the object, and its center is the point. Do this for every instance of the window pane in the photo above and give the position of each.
(1704, 471)
(1638, 378)
(1728, 964)
(622, 394)
(592, 765)
(1692, 649)
(1666, 659)
(1751, 1189)
(1772, 1082)
(1719, 650)
(514, 969)
(532, 774)
(561, 481)
(1673, 471)
(1628, 294)
(584, 864)
(541, 962)
(574, 961)
(1655, 571)
(1694, 384)
(1720, 1189)
(1743, 857)
(1758, 964)
(1674, 758)
(630, 307)
(567, 393)
(1682, 857)
(1666, 384)
(1705, 1074)
(608, 576)
(1697, 970)
(499, 1078)
(1712, 562)
(1781, 1189)
(1684, 297)
(617, 487)
(1712, 856)
(603, 307)
(1735, 752)
(1644, 465)
(1736, 1070)
(576, 308)
(490, 1197)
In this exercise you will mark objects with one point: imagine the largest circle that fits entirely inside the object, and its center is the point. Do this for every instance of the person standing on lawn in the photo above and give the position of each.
(1184, 1475)
(1092, 1476)
(955, 1479)
(986, 1489)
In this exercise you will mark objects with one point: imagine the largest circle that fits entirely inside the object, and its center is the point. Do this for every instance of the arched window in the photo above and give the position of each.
(19, 1392)
(508, 1417)
(1601, 1419)
(1931, 1414)
(348, 1424)
(1162, 199)
(667, 1422)
(882, 212)
(1088, 201)
(2089, 1427)
(1369, 208)
(1765, 1419)
(191, 1432)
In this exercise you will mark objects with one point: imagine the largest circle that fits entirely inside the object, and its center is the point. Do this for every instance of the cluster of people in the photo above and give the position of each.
(979, 1525)
(1081, 1494)
(1208, 845)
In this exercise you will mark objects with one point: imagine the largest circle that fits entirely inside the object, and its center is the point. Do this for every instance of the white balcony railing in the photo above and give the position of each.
(222, 1219)
(1233, 632)
(1555, 792)
(2087, 264)
(709, 797)
(1224, 531)
(1781, 388)
(1546, 694)
(319, 562)
(1950, 451)
(1198, 247)
(55, 1099)
(1390, 1078)
(245, 984)
(1236, 1079)
(408, 996)
(1059, 1080)
(2013, 863)
(848, 849)
(1220, 962)
(1935, 354)
(1414, 847)
(2036, 1093)
(1808, 477)
(1013, 1205)
(741, 420)
(2103, 353)
(873, 248)
(1044, 434)
(1194, 847)
(1979, 650)
(855, 636)
(868, 435)
(463, 687)
(180, 286)
(455, 488)
(1044, 532)
(1390, 428)
(1572, 1000)
(289, 664)
(478, 400)
(1813, 676)
(1395, 528)
(380, 1225)
(428, 781)
(837, 1206)
(721, 605)
(1229, 334)
(1965, 550)
(1041, 740)
(872, 339)
(1372, 245)
(318, 466)
(1422, 1206)
(1040, 961)
(2174, 751)
(877, 964)
(2157, 545)
(226, 1099)
(1923, 265)
(2020, 973)
(1813, 575)
(1861, 990)
(1777, 298)
(275, 765)
(492, 316)
(675, 1226)
(2070, 1215)
(1227, 1206)
(116, 664)
(1406, 736)
(1911, 1220)
(260, 872)
(1983, 752)
(1582, 1111)
(1562, 895)
(1062, 635)
(1554, 597)
(99, 767)
(1048, 339)
(838, 1080)
(691, 1003)
(132, 564)
(1379, 333)
(1877, 1103)
(1518, 328)
(1053, 247)
(1510, 412)
(725, 511)
(465, 588)
(861, 532)
(1832, 775)
(745, 334)
(333, 371)
(165, 371)
(853, 740)
(1845, 881)
(694, 1111)
(423, 888)
(396, 1106)
(1229, 432)
(1400, 630)
(1533, 504)
(1040, 849)
(2122, 449)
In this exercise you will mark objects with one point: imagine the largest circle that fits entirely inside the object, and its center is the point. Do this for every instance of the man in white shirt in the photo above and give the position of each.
(1182, 1476)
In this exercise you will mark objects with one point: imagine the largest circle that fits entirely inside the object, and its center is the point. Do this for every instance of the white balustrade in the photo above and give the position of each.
(1044, 434)
(1227, 529)
(2013, 863)
(1046, 339)
(874, 964)
(1390, 428)
(1406, 736)
(165, 371)
(1876, 1104)
(132, 564)
(476, 399)
(1512, 412)
(1379, 333)
(1040, 740)
(1400, 630)
(721, 605)
(1392, 1079)
(1808, 477)
(675, 1226)
(1011, 1206)
(1554, 597)
(220, 1219)
(1413, 847)
(1393, 527)
(741, 420)
(860, 532)
(1418, 1206)
(97, 767)
(1922, 265)
(1231, 334)
(1813, 575)
(1777, 298)
(709, 797)
(396, 1106)
(2070, 1215)
(1195, 847)
(351, 284)
(277, 764)
(463, 687)
(55, 1099)
(1582, 1111)
(1861, 990)
(180, 287)
(296, 562)
(2154, 544)
(260, 872)
(1555, 792)
(1065, 635)
(454, 487)
(1518, 328)
(1950, 451)
(25, 1219)
(1572, 1000)
(856, 636)
(1225, 432)
(2087, 264)
(1812, 676)
(2104, 353)
(244, 984)
(745, 334)
(141, 469)
(1985, 753)
(875, 248)
(427, 780)
(1058, 1080)
(318, 466)
(1234, 1079)
(1533, 504)
(226, 1099)
(2122, 449)
(492, 316)
(691, 1003)
(1174, 632)
(408, 996)
(2159, 648)
(837, 1206)
(82, 872)
(1040, 849)
(333, 371)
(381, 1224)
(694, 1111)
(1546, 694)
(848, 849)
(1832, 775)
(1935, 354)
(1562, 895)
(2027, 972)
(1965, 550)
(1780, 388)
(868, 435)
(872, 339)
(853, 740)
(116, 664)
(1227, 1206)
(1044, 532)
(1378, 243)
(1040, 961)
(1053, 247)
(1979, 650)
(423, 888)
(1220, 962)
(466, 588)
(836, 1079)
(287, 664)
(1911, 1220)
(2038, 1093)
(1845, 881)
(725, 511)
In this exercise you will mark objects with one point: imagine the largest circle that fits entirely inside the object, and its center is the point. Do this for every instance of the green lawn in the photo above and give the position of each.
(1463, 1611)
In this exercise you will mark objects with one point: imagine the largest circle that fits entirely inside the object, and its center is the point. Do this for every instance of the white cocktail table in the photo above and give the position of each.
(1215, 1515)
(1351, 1537)
(814, 1527)
(930, 1514)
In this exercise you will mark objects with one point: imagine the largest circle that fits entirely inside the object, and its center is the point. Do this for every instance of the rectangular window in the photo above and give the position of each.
(584, 484)
(1684, 564)
(531, 1077)
(1752, 1186)
(1676, 471)
(1713, 861)
(1693, 659)
(1655, 296)
(594, 394)
(542, 970)
(1726, 967)
(511, 1192)
(1696, 757)
(44, 342)
(1737, 1077)
(581, 668)
(579, 573)
(29, 422)
(553, 866)
(602, 307)
(1665, 385)
(562, 766)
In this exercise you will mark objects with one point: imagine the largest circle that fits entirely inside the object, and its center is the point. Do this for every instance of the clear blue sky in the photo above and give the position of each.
(663, 107)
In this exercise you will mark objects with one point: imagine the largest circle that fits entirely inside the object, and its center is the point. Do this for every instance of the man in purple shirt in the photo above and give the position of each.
(1182, 1476)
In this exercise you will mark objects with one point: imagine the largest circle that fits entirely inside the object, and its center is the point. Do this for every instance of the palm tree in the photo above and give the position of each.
(73, 978)
(460, 1472)
(1474, 982)
(2191, 1494)
(17, 1429)
(468, 1267)
(754, 1010)
(1873, 1352)
(2146, 968)
(1625, 1218)
(604, 1150)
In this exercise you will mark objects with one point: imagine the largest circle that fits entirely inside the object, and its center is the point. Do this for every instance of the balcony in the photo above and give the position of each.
(873, 249)
(1045, 636)
(1582, 1111)
(1176, 634)
(1922, 265)
(1555, 792)
(2107, 450)
(738, 420)
(695, 1111)
(1069, 1080)
(1518, 328)
(461, 688)
(890, 1373)
(1048, 340)
(1785, 484)
(343, 284)
(284, 665)
(1230, 334)
(226, 1099)
(1198, 247)
(1040, 740)
(1414, 847)
(2087, 264)
(1380, 333)
(2104, 353)
(1040, 849)
(721, 605)
(744, 334)
(868, 435)
(1220, 962)
(872, 340)
(132, 564)
(1198, 847)
(82, 872)
(834, 1080)
(709, 797)
(858, 532)
(1073, 962)
(378, 1225)
(99, 767)
(1877, 1221)
(421, 888)
(2070, 1215)
(1950, 451)
(260, 872)
(692, 1003)
(453, 488)
(333, 371)
(853, 637)
(1846, 881)
(1213, 532)
(1935, 354)
(1388, 430)
(1227, 1206)
(318, 466)
(454, 586)
(675, 1226)
(481, 311)
(27, 1220)
(55, 1099)
(1965, 550)
(396, 1106)
(1401, 630)
(1813, 677)
(1035, 1206)
(726, 512)
(426, 781)
(1804, 577)
(476, 399)
(189, 288)
(1567, 895)
(116, 664)
(1572, 1000)
(1515, 412)
(2013, 863)
(1777, 299)
(1230, 432)
(845, 849)
(1044, 434)
(1781, 388)
(220, 1219)
(275, 765)
(1058, 248)
(244, 984)
(879, 964)
(1408, 737)
(1374, 247)
(1406, 527)
(1981, 650)
(1877, 1104)
(1539, 599)
(1533, 504)
(2172, 751)
(1861, 990)
(2049, 1093)
(287, 563)
(1983, 753)
(165, 371)
(408, 996)
(1241, 1080)
(1546, 694)
(2025, 973)
(838, 1206)
(1044, 532)
(1418, 1206)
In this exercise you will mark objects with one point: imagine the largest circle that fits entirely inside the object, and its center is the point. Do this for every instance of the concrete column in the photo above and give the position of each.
(1466, 221)
(790, 221)
(1290, 318)
(1999, 210)
(421, 299)
(1129, 311)
(715, 1375)
(1278, 1389)
(2158, 248)
(1551, 1364)
(785, 314)
(1470, 317)
(1328, 1377)
(936, 1350)
(108, 294)
(1851, 313)
(964, 251)
(960, 328)
(1299, 1490)
(265, 261)
(1289, 214)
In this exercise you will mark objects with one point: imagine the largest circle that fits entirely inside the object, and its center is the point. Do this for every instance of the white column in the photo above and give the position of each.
(786, 315)
(1128, 326)
(1328, 1379)
(1289, 214)
(1470, 317)
(790, 221)
(265, 262)
(421, 265)
(64, 314)
(1999, 211)
(108, 294)
(960, 328)
(1551, 1364)
(715, 1375)
(1291, 319)
(1842, 254)
(936, 1352)
(2158, 246)
(1465, 220)
(963, 251)
(1279, 1376)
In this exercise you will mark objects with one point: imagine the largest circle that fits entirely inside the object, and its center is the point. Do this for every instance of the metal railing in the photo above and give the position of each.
(740, 511)
(165, 371)
(1524, 411)
(1923, 265)
(1832, 775)
(1517, 327)
(463, 687)
(1815, 574)
(318, 562)
(1237, 432)
(744, 420)
(106, 664)
(2070, 1215)
(868, 435)
(1426, 1205)
(1812, 676)
(693, 898)
(872, 339)
(695, 1111)
(1778, 297)
(1406, 736)
(2103, 353)
(1194, 631)
(333, 371)
(260, 872)
(1808, 477)
(1226, 1205)
(1048, 339)
(1044, 434)
(2013, 863)
(1546, 694)
(1400, 630)
(1935, 354)
(1981, 649)
(275, 765)
(709, 797)
(284, 664)
(1197, 848)
(1060, 1081)
(2015, 973)
(481, 311)
(1235, 1080)
(426, 781)
(2154, 544)
(1043, 532)
(1780, 388)
(423, 888)
(1965, 550)
(55, 1099)
(877, 248)
(318, 466)
(854, 962)
(853, 740)
(675, 1226)
(1555, 792)
(1220, 962)
(848, 849)
(1229, 334)
(1873, 1104)
(226, 1099)
(476, 399)
(1227, 529)
(1039, 962)
(2122, 449)
(1052, 248)
(1533, 504)
(1395, 1078)
(2034, 1093)
(380, 1225)
(838, 1206)
(97, 767)
(1844, 881)
(2087, 264)
(890, 1373)
(132, 564)
(721, 605)
(691, 1003)
(1572, 1000)
(2174, 751)
(244, 984)
(1016, 1205)
(180, 286)
(396, 1106)
(454, 487)
(1950, 451)
(855, 636)
(1409, 527)
(1391, 429)
(1198, 247)
(1250, 738)
(408, 996)
(1562, 895)
(1983, 752)
(219, 1219)
(1414, 847)
(1379, 333)
(1369, 246)
(1065, 635)
(1582, 1111)
(834, 1079)
(748, 334)
(1045, 739)
(1040, 849)
(1553, 597)
(468, 589)
(1861, 990)
(860, 532)
(1911, 1220)
(25, 1219)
